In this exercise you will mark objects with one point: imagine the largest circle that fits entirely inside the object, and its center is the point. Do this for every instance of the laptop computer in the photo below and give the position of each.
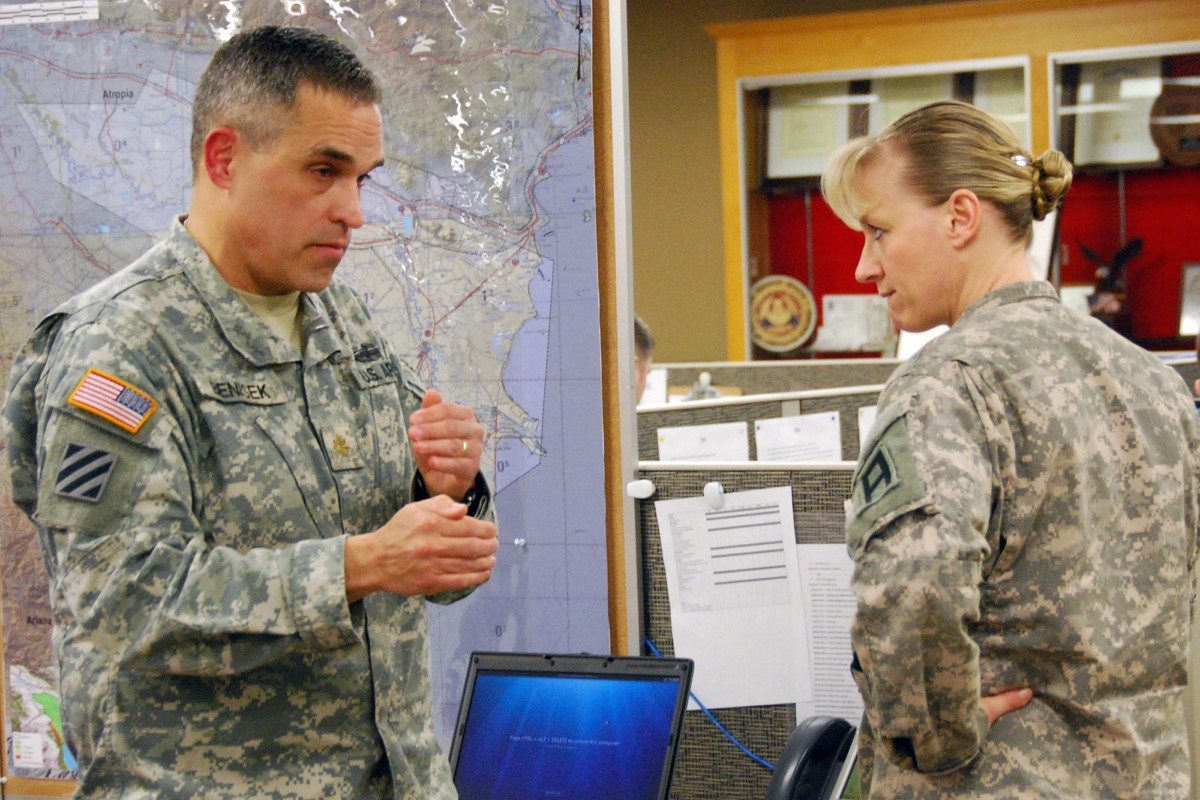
(578, 727)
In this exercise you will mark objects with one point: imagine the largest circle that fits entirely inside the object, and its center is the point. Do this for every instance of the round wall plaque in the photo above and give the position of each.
(1175, 124)
(782, 313)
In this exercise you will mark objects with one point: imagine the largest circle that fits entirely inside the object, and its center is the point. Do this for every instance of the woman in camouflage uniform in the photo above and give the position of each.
(1024, 516)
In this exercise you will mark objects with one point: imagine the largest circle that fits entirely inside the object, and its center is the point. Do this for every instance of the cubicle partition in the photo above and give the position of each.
(709, 764)
(846, 401)
(1187, 368)
(791, 375)
(788, 375)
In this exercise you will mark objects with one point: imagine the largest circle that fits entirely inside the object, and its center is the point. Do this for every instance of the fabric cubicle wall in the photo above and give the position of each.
(709, 765)
(846, 401)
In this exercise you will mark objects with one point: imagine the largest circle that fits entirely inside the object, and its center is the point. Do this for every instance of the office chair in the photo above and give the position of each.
(813, 760)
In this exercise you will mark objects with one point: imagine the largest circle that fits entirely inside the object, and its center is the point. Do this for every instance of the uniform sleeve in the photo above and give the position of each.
(917, 533)
(21, 402)
(479, 496)
(129, 559)
(1194, 550)
(479, 505)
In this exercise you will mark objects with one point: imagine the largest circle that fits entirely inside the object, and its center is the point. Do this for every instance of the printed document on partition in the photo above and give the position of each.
(866, 421)
(825, 572)
(722, 441)
(811, 438)
(734, 591)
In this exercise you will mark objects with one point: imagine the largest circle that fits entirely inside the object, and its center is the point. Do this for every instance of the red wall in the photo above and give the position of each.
(1162, 207)
(835, 248)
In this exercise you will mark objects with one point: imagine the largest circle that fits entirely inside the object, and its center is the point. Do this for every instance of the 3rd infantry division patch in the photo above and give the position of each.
(84, 472)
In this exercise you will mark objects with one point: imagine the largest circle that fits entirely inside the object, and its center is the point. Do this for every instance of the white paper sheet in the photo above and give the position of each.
(811, 438)
(734, 590)
(723, 441)
(909, 344)
(656, 387)
(866, 419)
(825, 572)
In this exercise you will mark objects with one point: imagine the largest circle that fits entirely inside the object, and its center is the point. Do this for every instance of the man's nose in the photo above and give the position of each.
(348, 205)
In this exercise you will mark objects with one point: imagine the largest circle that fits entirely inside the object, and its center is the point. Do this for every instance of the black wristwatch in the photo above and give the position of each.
(477, 498)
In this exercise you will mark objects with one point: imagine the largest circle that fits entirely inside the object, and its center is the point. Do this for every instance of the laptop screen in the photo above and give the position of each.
(568, 726)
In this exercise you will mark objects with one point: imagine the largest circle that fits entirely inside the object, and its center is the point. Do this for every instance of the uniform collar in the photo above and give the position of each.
(1010, 293)
(240, 326)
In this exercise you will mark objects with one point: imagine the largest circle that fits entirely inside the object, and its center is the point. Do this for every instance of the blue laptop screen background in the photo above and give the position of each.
(574, 737)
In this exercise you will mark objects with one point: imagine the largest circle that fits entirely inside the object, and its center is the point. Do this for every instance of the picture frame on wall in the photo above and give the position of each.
(1112, 111)
(1189, 299)
(805, 123)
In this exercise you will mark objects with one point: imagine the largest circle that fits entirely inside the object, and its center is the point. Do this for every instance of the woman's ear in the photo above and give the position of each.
(963, 213)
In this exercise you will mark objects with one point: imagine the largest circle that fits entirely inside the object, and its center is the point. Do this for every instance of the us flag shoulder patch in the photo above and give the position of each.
(84, 472)
(114, 400)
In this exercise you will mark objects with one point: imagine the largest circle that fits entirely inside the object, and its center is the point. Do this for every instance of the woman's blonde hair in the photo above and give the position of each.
(953, 145)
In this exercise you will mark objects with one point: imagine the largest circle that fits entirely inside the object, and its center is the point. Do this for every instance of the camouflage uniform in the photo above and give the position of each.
(193, 527)
(1025, 514)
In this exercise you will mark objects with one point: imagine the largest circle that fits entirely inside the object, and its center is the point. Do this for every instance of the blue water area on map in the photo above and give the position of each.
(550, 594)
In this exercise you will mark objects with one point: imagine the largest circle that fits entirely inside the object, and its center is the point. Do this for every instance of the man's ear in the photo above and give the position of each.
(963, 213)
(219, 147)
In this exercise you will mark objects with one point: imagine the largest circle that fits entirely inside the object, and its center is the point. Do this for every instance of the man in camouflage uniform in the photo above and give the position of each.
(240, 526)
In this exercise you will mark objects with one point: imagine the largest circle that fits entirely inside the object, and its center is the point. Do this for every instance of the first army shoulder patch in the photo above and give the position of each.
(114, 400)
(878, 475)
(887, 478)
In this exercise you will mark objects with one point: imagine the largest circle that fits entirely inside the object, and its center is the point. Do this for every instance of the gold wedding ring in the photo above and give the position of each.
(464, 445)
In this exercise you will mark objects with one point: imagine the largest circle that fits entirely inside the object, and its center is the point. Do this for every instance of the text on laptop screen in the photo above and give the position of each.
(570, 736)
